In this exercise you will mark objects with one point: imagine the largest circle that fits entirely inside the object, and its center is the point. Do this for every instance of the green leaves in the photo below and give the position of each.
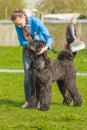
(8, 6)
(62, 6)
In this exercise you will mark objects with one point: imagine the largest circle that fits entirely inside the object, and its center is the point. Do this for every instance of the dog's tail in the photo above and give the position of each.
(65, 54)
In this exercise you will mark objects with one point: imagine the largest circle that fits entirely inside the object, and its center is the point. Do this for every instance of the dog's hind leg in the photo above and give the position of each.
(74, 93)
(65, 93)
(45, 96)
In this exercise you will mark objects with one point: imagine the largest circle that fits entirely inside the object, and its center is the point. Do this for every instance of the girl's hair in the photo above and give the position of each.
(18, 13)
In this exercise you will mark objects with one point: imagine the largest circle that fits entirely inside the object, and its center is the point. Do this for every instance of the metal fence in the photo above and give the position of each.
(57, 28)
(58, 31)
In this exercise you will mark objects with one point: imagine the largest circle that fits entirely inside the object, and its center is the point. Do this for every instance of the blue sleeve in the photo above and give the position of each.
(48, 38)
(20, 35)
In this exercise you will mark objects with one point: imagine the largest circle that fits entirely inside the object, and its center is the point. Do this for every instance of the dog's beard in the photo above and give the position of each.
(39, 63)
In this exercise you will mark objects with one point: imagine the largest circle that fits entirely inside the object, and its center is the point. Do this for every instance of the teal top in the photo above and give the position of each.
(36, 27)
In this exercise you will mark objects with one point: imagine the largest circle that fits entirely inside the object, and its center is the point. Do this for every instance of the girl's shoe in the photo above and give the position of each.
(26, 105)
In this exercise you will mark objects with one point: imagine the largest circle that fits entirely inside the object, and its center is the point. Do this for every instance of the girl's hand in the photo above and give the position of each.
(43, 50)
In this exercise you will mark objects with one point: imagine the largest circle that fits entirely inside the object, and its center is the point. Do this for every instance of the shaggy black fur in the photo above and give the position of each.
(43, 71)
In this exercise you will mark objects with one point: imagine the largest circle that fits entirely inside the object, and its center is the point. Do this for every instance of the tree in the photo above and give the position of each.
(8, 6)
(62, 6)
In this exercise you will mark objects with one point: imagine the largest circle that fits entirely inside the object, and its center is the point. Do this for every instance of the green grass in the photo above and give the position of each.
(81, 61)
(59, 117)
(11, 57)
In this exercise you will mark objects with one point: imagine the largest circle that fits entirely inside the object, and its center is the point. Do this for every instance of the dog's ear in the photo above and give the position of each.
(30, 46)
(38, 45)
(43, 43)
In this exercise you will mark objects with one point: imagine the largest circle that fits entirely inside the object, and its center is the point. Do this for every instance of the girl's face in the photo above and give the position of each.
(20, 21)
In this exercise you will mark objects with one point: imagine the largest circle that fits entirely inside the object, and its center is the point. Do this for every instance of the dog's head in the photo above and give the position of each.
(33, 47)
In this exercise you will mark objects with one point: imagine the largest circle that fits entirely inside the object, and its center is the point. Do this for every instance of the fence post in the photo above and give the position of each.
(42, 17)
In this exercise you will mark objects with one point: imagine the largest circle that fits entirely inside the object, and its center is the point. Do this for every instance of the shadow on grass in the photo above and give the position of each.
(10, 102)
(7, 102)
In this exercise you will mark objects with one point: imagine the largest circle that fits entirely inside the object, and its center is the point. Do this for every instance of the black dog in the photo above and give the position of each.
(43, 71)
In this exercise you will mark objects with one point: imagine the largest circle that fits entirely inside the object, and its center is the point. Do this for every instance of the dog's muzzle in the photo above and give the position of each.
(39, 66)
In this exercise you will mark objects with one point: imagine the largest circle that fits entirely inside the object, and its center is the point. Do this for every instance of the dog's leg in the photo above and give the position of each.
(45, 96)
(32, 95)
(74, 93)
(77, 98)
(65, 93)
(38, 96)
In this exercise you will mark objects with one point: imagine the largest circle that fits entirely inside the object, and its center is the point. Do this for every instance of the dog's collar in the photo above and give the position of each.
(39, 66)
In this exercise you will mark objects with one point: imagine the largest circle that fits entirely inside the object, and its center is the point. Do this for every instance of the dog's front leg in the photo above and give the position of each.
(45, 96)
(32, 96)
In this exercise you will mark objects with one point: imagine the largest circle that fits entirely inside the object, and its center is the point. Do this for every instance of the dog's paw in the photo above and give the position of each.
(44, 108)
(79, 103)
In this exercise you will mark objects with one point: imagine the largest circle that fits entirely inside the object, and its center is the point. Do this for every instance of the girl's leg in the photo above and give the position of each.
(26, 63)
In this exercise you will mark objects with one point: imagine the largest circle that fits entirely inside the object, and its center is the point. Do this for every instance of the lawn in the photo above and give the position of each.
(59, 117)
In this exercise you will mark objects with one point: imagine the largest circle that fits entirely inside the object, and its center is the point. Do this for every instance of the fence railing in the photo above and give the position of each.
(57, 28)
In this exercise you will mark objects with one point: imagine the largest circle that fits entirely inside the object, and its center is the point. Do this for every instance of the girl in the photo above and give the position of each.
(27, 28)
